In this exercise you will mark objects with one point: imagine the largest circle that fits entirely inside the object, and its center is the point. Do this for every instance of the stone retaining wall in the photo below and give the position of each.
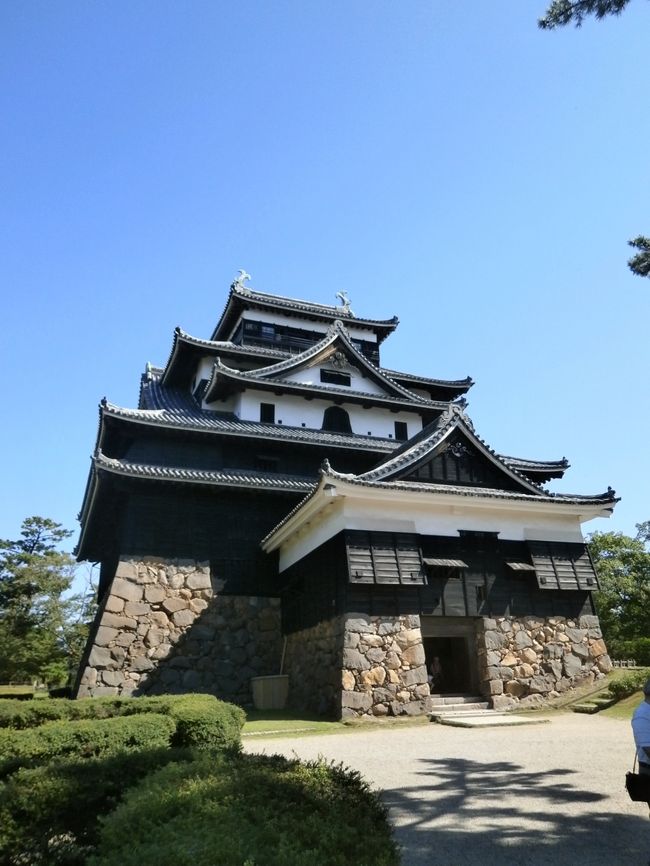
(525, 660)
(313, 662)
(384, 671)
(164, 629)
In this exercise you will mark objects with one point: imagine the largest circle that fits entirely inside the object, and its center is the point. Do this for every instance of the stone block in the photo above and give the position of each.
(162, 651)
(359, 624)
(105, 635)
(371, 640)
(173, 604)
(351, 639)
(126, 589)
(360, 701)
(198, 605)
(553, 651)
(127, 569)
(154, 594)
(505, 626)
(374, 677)
(391, 628)
(539, 685)
(198, 580)
(136, 608)
(121, 623)
(380, 710)
(604, 664)
(576, 635)
(113, 678)
(509, 659)
(505, 673)
(89, 677)
(104, 691)
(142, 663)
(495, 687)
(597, 648)
(589, 621)
(408, 637)
(523, 671)
(191, 680)
(348, 681)
(502, 703)
(494, 640)
(114, 604)
(523, 639)
(572, 665)
(183, 618)
(493, 658)
(528, 655)
(375, 655)
(355, 660)
(489, 624)
(415, 676)
(414, 655)
(581, 650)
(100, 657)
(514, 688)
(535, 700)
(154, 636)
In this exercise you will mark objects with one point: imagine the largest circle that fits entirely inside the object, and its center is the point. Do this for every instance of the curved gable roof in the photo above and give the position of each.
(241, 298)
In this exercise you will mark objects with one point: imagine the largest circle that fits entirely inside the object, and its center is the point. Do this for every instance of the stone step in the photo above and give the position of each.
(446, 700)
(485, 719)
(475, 707)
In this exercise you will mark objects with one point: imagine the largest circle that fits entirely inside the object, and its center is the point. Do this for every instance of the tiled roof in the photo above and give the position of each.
(492, 493)
(541, 466)
(329, 476)
(241, 297)
(220, 478)
(430, 437)
(464, 384)
(337, 334)
(247, 378)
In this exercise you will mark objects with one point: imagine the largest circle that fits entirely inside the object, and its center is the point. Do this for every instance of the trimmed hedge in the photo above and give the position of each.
(629, 683)
(85, 739)
(201, 720)
(50, 815)
(248, 810)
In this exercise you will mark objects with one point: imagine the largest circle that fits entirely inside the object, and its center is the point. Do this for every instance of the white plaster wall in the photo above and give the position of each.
(355, 332)
(512, 522)
(358, 382)
(294, 411)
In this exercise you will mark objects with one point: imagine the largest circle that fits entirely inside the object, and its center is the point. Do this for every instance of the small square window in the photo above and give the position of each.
(401, 431)
(267, 413)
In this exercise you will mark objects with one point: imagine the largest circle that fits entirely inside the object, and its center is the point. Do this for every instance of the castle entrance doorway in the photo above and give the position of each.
(450, 651)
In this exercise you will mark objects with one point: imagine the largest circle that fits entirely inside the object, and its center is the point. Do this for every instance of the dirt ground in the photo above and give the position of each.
(520, 796)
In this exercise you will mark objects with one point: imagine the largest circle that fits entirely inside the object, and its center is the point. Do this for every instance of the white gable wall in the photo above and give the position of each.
(358, 382)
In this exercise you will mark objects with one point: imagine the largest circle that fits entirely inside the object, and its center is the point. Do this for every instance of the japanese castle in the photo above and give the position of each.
(282, 505)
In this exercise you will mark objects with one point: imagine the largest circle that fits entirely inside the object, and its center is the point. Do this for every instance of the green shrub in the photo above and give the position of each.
(203, 722)
(248, 810)
(637, 649)
(50, 815)
(82, 739)
(629, 683)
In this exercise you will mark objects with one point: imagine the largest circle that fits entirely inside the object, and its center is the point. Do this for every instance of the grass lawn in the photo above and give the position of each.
(285, 723)
(624, 708)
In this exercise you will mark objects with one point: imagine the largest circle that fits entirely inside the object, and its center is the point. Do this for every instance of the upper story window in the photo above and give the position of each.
(267, 413)
(401, 431)
(336, 420)
(334, 377)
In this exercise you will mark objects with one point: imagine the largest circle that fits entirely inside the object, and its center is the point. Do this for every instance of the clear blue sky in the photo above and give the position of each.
(444, 161)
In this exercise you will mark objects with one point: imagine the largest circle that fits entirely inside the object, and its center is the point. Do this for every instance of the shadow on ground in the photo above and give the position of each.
(465, 813)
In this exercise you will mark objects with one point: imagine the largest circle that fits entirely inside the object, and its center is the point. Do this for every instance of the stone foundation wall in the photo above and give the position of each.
(163, 629)
(384, 671)
(525, 660)
(313, 662)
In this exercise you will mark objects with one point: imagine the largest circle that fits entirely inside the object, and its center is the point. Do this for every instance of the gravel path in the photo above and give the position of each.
(523, 796)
